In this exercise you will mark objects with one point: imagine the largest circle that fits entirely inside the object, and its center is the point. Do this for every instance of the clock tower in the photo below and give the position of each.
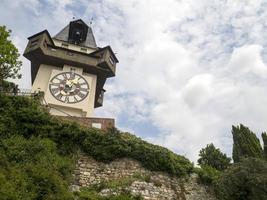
(70, 69)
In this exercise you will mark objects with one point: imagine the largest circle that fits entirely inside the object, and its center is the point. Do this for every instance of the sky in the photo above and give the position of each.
(188, 70)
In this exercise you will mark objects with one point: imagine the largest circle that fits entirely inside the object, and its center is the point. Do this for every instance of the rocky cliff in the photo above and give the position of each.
(128, 175)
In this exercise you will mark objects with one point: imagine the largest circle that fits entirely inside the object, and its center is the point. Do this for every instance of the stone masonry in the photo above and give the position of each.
(141, 182)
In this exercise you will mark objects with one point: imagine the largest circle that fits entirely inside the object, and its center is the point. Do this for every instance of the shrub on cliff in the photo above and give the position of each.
(244, 180)
(33, 169)
(107, 147)
(207, 174)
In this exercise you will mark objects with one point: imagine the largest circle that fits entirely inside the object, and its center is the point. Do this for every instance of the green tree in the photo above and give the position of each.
(9, 56)
(264, 138)
(245, 180)
(246, 143)
(213, 157)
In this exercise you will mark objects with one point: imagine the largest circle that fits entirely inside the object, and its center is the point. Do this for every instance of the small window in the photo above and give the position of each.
(72, 70)
(45, 43)
(65, 45)
(84, 49)
(111, 60)
(69, 53)
(97, 125)
(34, 42)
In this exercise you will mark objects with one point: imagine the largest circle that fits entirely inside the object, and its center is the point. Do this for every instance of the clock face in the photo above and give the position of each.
(69, 87)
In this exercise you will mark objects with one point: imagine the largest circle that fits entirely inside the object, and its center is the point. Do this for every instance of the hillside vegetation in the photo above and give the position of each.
(246, 177)
(38, 152)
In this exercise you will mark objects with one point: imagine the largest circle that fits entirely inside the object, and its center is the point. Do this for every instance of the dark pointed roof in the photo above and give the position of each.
(64, 34)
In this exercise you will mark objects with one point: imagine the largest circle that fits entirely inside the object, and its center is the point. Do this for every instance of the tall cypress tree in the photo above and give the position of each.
(264, 138)
(246, 143)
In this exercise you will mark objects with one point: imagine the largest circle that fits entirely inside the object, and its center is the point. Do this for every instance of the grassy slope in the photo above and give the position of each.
(37, 151)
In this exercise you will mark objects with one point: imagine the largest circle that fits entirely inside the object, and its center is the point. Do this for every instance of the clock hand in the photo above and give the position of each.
(68, 82)
(75, 81)
(63, 92)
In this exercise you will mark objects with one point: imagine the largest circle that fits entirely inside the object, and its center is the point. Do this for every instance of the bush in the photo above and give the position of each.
(107, 147)
(245, 180)
(207, 174)
(33, 169)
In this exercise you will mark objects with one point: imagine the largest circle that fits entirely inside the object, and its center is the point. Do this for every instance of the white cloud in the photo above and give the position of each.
(247, 59)
(198, 90)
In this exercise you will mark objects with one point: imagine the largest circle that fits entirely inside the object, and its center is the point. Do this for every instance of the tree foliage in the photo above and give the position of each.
(246, 143)
(9, 56)
(213, 157)
(245, 180)
(264, 138)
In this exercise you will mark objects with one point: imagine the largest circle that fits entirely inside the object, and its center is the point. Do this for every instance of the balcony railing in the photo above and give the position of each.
(18, 92)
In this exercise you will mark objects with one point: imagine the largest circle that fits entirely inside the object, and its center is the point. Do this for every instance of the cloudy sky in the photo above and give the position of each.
(188, 71)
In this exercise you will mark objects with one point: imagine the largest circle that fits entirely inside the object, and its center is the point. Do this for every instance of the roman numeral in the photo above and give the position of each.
(72, 75)
(81, 95)
(65, 76)
(57, 78)
(75, 99)
(84, 83)
(55, 90)
(84, 90)
(67, 99)
(59, 96)
(55, 84)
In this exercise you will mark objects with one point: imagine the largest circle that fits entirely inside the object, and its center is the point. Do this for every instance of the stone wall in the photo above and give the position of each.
(89, 122)
(128, 175)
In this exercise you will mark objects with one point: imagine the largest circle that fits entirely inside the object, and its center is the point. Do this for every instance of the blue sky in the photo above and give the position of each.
(188, 69)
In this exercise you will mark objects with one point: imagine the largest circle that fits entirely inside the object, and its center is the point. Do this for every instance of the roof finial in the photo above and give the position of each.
(73, 17)
(91, 22)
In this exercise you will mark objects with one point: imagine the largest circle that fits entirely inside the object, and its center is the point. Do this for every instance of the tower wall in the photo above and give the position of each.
(84, 108)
